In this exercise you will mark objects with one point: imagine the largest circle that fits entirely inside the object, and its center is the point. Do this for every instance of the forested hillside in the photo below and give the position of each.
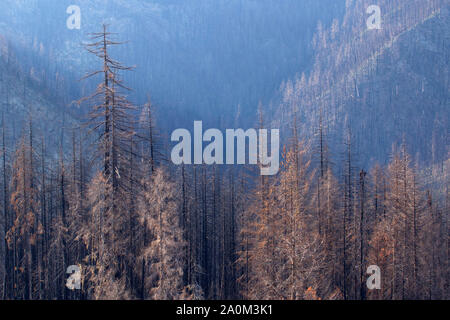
(197, 58)
(381, 85)
(26, 97)
(87, 185)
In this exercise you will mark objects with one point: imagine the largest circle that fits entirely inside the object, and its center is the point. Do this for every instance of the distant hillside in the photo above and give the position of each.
(215, 62)
(385, 85)
(199, 58)
(24, 97)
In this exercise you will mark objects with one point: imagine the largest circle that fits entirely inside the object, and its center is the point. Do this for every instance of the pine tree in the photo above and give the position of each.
(110, 116)
(25, 231)
(158, 210)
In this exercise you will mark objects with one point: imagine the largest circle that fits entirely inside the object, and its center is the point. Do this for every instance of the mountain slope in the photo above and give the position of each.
(199, 58)
(385, 86)
(24, 98)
